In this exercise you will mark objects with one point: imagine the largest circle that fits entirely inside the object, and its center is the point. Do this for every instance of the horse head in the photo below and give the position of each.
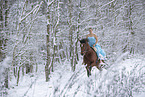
(84, 46)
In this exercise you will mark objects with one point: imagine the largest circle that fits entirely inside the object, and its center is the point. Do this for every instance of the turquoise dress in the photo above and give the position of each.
(100, 52)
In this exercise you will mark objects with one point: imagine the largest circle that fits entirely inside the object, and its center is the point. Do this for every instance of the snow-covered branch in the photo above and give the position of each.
(32, 11)
(107, 4)
(49, 3)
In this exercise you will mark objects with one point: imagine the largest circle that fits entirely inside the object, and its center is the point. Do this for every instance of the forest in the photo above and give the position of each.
(40, 48)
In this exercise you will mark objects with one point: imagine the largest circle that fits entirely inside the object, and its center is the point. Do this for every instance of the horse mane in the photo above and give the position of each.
(84, 40)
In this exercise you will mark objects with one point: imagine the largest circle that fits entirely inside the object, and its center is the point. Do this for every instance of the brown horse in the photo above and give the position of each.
(89, 56)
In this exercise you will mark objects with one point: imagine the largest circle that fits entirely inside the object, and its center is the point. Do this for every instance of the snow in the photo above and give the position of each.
(65, 83)
(140, 95)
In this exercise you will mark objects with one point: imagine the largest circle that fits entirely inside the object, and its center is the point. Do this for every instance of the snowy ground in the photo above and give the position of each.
(123, 79)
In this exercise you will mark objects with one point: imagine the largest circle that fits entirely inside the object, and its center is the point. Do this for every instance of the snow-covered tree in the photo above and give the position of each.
(25, 37)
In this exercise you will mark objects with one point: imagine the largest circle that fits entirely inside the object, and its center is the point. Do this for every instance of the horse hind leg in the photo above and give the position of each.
(98, 66)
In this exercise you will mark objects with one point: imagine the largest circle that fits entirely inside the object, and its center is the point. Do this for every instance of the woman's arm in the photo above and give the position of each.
(96, 39)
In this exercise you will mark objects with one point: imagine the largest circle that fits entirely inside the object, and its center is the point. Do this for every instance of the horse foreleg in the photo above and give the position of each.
(88, 68)
(83, 63)
(88, 74)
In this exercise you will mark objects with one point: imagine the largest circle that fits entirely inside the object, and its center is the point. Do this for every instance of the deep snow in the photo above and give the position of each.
(124, 78)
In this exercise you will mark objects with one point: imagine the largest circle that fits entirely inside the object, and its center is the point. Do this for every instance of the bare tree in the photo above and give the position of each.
(48, 46)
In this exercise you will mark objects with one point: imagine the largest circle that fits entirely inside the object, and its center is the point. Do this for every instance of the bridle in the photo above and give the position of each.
(84, 51)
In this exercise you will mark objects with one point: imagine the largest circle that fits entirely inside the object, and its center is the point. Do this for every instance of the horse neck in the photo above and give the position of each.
(88, 47)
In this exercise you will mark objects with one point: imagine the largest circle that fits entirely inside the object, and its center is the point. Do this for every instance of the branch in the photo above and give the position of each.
(33, 10)
(49, 3)
(32, 22)
(57, 18)
(106, 4)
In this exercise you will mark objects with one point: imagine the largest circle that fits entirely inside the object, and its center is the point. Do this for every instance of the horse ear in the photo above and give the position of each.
(84, 40)
(79, 39)
(87, 40)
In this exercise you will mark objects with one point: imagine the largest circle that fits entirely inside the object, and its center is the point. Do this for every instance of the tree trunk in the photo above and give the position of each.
(129, 28)
(47, 65)
(2, 3)
(4, 8)
(71, 47)
(3, 27)
(47, 70)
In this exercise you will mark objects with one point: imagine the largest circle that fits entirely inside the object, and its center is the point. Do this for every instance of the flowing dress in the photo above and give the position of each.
(100, 52)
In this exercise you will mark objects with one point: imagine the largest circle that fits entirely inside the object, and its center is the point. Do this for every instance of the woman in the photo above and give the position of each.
(93, 42)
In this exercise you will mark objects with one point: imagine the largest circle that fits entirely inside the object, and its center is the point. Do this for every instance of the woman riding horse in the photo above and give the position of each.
(93, 42)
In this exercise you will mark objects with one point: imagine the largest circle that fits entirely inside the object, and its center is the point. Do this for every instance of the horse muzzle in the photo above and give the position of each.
(82, 54)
